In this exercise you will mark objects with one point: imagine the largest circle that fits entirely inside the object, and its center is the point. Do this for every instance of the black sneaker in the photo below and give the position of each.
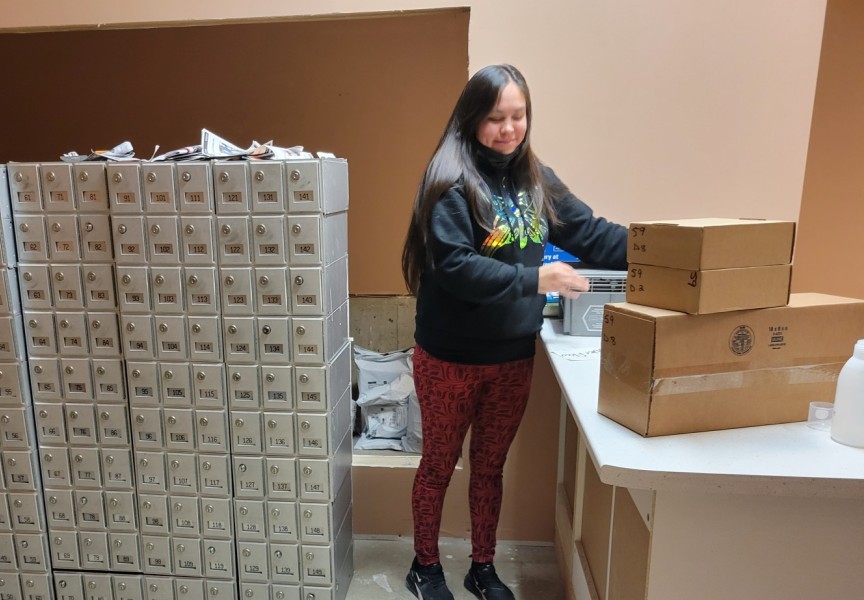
(427, 582)
(483, 582)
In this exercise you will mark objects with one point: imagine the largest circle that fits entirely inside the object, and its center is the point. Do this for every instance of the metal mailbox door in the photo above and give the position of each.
(24, 188)
(133, 284)
(68, 288)
(124, 189)
(103, 335)
(233, 237)
(269, 240)
(58, 192)
(237, 292)
(63, 241)
(35, 286)
(163, 238)
(99, 287)
(208, 385)
(167, 286)
(202, 297)
(231, 187)
(277, 387)
(130, 247)
(154, 514)
(268, 187)
(92, 187)
(205, 338)
(171, 341)
(197, 234)
(32, 238)
(195, 188)
(271, 291)
(159, 183)
(94, 550)
(214, 475)
(138, 338)
(95, 232)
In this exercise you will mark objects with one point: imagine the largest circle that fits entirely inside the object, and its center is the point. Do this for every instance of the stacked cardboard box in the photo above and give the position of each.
(666, 371)
(701, 266)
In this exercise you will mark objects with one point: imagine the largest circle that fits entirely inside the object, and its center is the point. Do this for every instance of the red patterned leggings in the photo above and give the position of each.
(489, 398)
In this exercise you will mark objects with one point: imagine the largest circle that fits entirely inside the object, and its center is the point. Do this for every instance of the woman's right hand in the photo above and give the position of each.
(562, 278)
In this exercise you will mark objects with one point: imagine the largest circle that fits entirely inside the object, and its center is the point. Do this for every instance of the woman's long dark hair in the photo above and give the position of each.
(454, 162)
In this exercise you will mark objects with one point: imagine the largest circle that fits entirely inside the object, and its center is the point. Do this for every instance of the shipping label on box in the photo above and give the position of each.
(665, 372)
(712, 291)
(702, 244)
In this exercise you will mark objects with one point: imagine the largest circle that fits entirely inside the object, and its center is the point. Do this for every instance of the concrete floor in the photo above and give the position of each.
(380, 566)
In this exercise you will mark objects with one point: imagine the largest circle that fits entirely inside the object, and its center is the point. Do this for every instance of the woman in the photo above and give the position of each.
(483, 213)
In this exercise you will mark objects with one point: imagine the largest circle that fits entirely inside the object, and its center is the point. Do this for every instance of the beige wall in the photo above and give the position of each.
(828, 257)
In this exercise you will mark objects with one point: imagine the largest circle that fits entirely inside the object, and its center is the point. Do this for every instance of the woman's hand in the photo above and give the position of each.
(562, 278)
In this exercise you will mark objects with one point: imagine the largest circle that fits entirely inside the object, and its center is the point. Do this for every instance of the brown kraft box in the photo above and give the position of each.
(704, 292)
(716, 243)
(664, 372)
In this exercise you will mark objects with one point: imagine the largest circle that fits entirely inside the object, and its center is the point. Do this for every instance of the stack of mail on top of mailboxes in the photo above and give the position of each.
(710, 338)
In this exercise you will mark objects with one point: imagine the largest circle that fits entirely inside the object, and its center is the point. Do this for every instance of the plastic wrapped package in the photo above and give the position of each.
(386, 413)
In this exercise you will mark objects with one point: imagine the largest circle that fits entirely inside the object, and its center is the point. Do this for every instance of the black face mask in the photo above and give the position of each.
(496, 160)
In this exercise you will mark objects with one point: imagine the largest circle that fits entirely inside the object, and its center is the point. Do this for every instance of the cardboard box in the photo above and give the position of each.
(664, 372)
(713, 291)
(703, 244)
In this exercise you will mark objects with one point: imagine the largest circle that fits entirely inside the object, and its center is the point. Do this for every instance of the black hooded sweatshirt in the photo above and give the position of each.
(478, 302)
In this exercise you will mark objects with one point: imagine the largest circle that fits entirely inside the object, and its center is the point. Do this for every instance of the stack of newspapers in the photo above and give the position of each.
(212, 147)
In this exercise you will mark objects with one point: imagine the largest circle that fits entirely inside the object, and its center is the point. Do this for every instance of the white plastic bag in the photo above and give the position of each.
(384, 408)
(366, 443)
(412, 441)
(375, 369)
(386, 421)
(388, 404)
(397, 391)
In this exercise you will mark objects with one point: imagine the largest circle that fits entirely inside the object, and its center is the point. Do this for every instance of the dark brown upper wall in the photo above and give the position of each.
(828, 254)
(375, 90)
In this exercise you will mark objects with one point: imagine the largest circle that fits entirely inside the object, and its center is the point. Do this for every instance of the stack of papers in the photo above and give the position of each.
(212, 147)
(119, 153)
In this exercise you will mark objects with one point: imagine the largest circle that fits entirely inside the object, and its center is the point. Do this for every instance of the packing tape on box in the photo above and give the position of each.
(779, 376)
(742, 366)
(634, 373)
(640, 374)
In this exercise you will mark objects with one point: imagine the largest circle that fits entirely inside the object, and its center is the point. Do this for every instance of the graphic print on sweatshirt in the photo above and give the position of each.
(516, 222)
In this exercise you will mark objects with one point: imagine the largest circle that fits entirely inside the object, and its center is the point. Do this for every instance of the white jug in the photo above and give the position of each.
(848, 424)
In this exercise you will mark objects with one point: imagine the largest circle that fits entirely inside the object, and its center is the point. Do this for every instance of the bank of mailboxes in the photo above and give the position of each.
(97, 586)
(187, 380)
(24, 554)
